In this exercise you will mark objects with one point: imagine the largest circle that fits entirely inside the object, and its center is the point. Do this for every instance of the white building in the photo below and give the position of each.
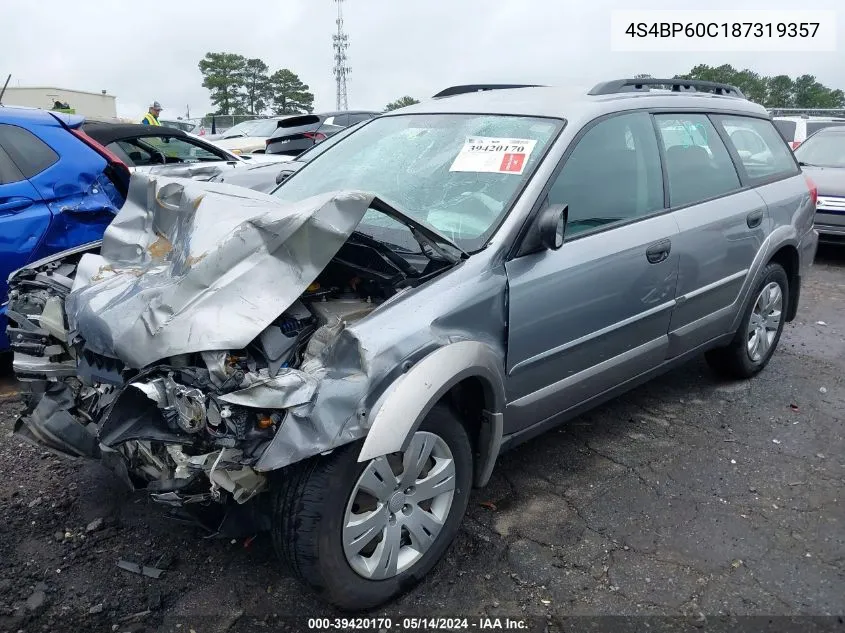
(90, 104)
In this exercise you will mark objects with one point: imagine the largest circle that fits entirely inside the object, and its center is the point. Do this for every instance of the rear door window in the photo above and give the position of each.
(27, 151)
(698, 164)
(157, 150)
(613, 175)
(762, 152)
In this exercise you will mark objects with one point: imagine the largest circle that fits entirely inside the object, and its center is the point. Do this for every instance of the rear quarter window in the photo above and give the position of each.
(698, 165)
(9, 172)
(762, 151)
(27, 151)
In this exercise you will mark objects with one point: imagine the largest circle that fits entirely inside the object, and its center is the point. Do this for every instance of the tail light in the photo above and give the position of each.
(814, 191)
(315, 136)
(117, 169)
(794, 144)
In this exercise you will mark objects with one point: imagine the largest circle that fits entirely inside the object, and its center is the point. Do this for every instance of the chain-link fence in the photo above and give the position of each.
(832, 112)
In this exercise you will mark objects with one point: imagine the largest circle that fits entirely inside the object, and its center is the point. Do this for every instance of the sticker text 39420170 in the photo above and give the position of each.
(494, 155)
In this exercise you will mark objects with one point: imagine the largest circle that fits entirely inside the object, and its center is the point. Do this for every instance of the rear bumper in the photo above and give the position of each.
(289, 148)
(830, 233)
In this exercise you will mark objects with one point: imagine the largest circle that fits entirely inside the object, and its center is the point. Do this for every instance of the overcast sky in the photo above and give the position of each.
(141, 51)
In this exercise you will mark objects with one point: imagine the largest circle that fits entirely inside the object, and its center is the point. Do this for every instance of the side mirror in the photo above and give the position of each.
(551, 226)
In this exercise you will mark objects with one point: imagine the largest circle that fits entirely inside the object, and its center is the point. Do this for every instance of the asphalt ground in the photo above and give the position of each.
(689, 497)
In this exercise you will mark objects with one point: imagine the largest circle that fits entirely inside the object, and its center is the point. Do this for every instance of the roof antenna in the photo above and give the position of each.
(2, 92)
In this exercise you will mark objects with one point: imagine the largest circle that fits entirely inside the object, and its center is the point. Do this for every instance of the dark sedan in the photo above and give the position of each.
(822, 157)
(296, 134)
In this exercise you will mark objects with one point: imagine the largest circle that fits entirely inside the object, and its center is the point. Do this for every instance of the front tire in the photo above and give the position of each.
(759, 332)
(360, 534)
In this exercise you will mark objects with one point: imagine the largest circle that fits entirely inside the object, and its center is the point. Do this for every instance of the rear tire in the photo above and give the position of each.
(311, 516)
(759, 331)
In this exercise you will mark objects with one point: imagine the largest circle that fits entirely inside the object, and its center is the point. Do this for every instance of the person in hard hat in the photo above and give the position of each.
(151, 117)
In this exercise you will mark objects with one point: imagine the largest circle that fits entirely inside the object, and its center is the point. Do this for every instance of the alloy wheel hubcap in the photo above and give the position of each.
(765, 321)
(398, 507)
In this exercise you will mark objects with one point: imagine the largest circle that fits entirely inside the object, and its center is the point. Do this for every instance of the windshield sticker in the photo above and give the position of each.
(494, 155)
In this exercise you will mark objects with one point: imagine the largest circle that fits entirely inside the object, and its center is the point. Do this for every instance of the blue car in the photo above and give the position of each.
(58, 189)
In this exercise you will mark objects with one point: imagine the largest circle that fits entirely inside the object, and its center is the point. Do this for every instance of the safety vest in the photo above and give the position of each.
(149, 119)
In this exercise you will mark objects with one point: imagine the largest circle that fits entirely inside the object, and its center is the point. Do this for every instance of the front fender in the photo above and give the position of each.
(404, 405)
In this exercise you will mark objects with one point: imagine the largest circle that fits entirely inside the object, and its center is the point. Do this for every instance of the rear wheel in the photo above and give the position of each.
(760, 329)
(361, 533)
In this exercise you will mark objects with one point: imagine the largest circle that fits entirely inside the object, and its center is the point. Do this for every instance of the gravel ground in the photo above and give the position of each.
(688, 496)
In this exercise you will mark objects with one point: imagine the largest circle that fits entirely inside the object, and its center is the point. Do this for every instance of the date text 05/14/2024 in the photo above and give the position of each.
(419, 624)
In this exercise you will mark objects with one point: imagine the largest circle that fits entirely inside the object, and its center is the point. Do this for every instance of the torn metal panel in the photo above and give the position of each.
(360, 361)
(52, 424)
(287, 389)
(190, 267)
(195, 171)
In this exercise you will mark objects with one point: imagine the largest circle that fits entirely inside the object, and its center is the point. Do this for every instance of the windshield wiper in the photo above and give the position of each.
(801, 163)
(434, 244)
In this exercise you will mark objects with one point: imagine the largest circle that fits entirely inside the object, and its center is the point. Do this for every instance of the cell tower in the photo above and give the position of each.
(341, 70)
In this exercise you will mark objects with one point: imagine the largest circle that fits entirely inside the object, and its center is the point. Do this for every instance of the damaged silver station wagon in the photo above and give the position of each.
(350, 354)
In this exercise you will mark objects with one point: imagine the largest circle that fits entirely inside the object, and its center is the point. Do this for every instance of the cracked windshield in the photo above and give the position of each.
(456, 173)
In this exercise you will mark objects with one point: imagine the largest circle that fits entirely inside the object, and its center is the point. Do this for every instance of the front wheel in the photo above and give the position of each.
(759, 331)
(361, 533)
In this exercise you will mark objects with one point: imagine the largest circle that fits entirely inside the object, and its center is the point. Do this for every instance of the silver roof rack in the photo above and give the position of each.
(459, 90)
(645, 84)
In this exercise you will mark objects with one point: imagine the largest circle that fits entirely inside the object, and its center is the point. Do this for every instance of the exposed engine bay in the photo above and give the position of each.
(192, 427)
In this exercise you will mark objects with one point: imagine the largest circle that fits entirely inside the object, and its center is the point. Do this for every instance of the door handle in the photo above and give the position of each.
(658, 251)
(754, 219)
(14, 204)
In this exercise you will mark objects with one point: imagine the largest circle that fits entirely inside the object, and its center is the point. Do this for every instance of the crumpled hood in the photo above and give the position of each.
(191, 266)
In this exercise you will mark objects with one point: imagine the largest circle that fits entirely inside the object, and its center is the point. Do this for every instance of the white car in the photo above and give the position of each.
(249, 137)
(796, 129)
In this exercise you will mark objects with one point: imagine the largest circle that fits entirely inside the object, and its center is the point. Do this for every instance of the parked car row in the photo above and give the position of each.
(796, 129)
(288, 135)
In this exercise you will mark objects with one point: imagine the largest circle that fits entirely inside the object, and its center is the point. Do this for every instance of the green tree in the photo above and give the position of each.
(289, 94)
(809, 93)
(781, 92)
(752, 85)
(257, 93)
(722, 74)
(400, 103)
(224, 75)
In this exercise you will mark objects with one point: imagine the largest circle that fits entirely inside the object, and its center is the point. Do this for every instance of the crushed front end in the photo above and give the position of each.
(189, 381)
